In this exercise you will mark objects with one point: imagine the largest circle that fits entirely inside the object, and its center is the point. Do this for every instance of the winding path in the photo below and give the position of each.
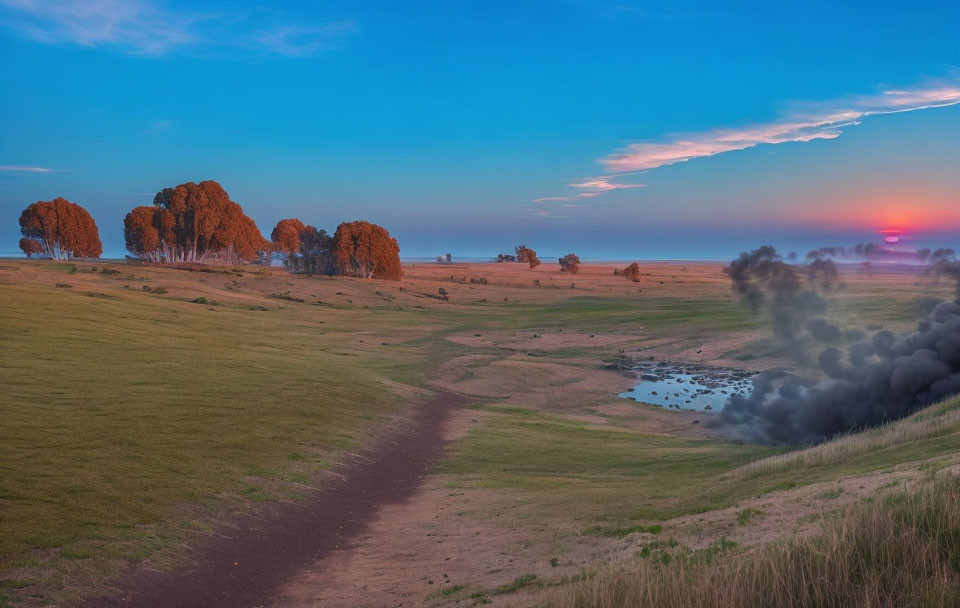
(246, 565)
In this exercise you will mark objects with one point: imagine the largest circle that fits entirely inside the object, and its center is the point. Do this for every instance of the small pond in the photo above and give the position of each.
(687, 386)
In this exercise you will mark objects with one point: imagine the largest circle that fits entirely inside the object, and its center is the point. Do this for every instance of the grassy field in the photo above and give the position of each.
(897, 547)
(578, 471)
(142, 405)
(128, 418)
(132, 418)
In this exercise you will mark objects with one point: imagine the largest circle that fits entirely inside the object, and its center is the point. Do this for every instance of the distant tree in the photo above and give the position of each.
(570, 263)
(60, 230)
(527, 255)
(194, 223)
(506, 257)
(362, 249)
(631, 272)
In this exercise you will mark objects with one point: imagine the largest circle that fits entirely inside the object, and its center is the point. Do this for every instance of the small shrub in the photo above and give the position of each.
(63, 286)
(746, 515)
(286, 296)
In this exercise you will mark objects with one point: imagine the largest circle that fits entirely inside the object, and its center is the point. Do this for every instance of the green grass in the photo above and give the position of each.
(127, 420)
(632, 479)
(745, 515)
(603, 314)
(575, 470)
(524, 580)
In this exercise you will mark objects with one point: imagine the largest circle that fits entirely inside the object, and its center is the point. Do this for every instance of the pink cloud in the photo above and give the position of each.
(601, 184)
(822, 123)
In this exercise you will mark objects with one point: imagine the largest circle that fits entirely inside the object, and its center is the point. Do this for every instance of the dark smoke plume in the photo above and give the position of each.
(791, 294)
(872, 382)
(873, 251)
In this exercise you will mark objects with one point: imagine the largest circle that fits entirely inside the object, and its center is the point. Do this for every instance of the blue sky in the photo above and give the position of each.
(471, 126)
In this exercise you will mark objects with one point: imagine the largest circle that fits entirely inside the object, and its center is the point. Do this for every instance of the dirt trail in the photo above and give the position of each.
(246, 565)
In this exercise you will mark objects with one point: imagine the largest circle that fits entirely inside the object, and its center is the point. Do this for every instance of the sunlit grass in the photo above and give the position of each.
(125, 419)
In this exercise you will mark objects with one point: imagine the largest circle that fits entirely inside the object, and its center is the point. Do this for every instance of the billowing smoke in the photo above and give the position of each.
(873, 381)
(873, 251)
(937, 256)
(792, 295)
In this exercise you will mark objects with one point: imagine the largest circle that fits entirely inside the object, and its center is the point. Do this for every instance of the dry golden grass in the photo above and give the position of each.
(899, 551)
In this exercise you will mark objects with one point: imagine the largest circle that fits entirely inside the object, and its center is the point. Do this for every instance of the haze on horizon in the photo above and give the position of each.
(615, 130)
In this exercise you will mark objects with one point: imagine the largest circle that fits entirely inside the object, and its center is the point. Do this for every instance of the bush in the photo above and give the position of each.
(631, 272)
(570, 263)
(203, 300)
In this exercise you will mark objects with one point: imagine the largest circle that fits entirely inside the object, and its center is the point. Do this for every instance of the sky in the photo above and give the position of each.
(615, 130)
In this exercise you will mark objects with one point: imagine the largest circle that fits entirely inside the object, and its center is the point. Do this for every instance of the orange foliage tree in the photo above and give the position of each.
(286, 236)
(525, 254)
(60, 230)
(631, 272)
(194, 223)
(31, 247)
(570, 263)
(362, 249)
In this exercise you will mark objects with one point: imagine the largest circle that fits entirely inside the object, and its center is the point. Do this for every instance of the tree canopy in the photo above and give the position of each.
(286, 236)
(362, 249)
(570, 263)
(525, 254)
(60, 230)
(631, 272)
(193, 223)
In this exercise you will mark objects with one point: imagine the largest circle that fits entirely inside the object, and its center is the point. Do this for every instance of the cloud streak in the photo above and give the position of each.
(24, 169)
(146, 27)
(820, 121)
(595, 186)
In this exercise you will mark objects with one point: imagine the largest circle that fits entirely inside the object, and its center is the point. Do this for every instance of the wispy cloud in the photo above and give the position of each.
(818, 121)
(550, 199)
(300, 41)
(595, 186)
(147, 27)
(23, 169)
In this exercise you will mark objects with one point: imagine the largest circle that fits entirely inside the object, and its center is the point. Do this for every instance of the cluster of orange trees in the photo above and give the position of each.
(522, 254)
(59, 229)
(198, 223)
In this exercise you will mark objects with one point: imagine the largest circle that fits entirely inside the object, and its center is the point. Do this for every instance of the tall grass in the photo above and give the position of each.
(901, 550)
